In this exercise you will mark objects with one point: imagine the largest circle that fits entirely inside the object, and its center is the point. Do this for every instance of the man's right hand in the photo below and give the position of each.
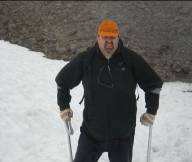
(66, 114)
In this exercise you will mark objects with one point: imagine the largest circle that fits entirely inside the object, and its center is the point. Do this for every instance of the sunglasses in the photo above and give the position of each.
(108, 37)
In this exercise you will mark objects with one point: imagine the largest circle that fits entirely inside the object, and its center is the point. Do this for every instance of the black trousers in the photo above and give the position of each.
(89, 150)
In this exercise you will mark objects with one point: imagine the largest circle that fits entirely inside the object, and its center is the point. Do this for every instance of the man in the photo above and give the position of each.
(109, 72)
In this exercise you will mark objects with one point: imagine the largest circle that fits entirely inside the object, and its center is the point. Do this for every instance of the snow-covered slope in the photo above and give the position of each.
(31, 130)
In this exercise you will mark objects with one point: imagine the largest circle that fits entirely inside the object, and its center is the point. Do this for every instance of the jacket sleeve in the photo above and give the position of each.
(149, 81)
(69, 77)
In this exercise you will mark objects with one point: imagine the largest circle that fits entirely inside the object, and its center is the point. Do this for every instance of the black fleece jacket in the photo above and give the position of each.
(109, 90)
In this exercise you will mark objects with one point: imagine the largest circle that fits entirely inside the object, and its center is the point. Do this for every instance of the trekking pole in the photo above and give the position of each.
(149, 144)
(69, 131)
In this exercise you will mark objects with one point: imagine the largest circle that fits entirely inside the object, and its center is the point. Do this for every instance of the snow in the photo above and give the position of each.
(31, 129)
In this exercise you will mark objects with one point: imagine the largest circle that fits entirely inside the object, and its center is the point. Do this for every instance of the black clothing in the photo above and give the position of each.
(109, 90)
(89, 150)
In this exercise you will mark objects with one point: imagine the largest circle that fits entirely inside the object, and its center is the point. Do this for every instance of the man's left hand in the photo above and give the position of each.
(147, 119)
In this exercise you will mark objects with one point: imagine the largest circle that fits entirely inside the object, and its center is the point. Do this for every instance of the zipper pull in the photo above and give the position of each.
(108, 65)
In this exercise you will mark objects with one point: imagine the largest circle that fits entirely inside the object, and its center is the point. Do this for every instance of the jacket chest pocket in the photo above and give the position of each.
(123, 78)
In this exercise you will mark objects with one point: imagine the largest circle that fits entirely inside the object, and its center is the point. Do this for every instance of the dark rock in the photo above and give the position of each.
(159, 31)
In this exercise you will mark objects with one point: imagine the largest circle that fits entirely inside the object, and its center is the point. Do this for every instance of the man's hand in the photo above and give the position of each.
(147, 119)
(66, 114)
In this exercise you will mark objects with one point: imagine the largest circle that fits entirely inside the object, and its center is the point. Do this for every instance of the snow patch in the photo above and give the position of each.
(31, 130)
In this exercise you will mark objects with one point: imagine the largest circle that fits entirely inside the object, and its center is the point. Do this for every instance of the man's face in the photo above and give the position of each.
(108, 44)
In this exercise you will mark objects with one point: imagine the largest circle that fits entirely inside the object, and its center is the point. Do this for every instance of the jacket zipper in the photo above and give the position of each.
(109, 69)
(108, 66)
(109, 113)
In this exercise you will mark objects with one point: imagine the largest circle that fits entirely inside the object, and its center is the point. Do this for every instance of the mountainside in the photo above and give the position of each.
(160, 30)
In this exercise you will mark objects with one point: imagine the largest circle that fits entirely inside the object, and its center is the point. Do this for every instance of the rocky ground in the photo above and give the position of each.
(160, 31)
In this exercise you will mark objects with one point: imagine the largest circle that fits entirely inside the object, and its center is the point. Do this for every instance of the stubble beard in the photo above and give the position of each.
(108, 49)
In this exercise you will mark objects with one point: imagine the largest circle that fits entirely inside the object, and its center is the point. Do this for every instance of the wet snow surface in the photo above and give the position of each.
(31, 130)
